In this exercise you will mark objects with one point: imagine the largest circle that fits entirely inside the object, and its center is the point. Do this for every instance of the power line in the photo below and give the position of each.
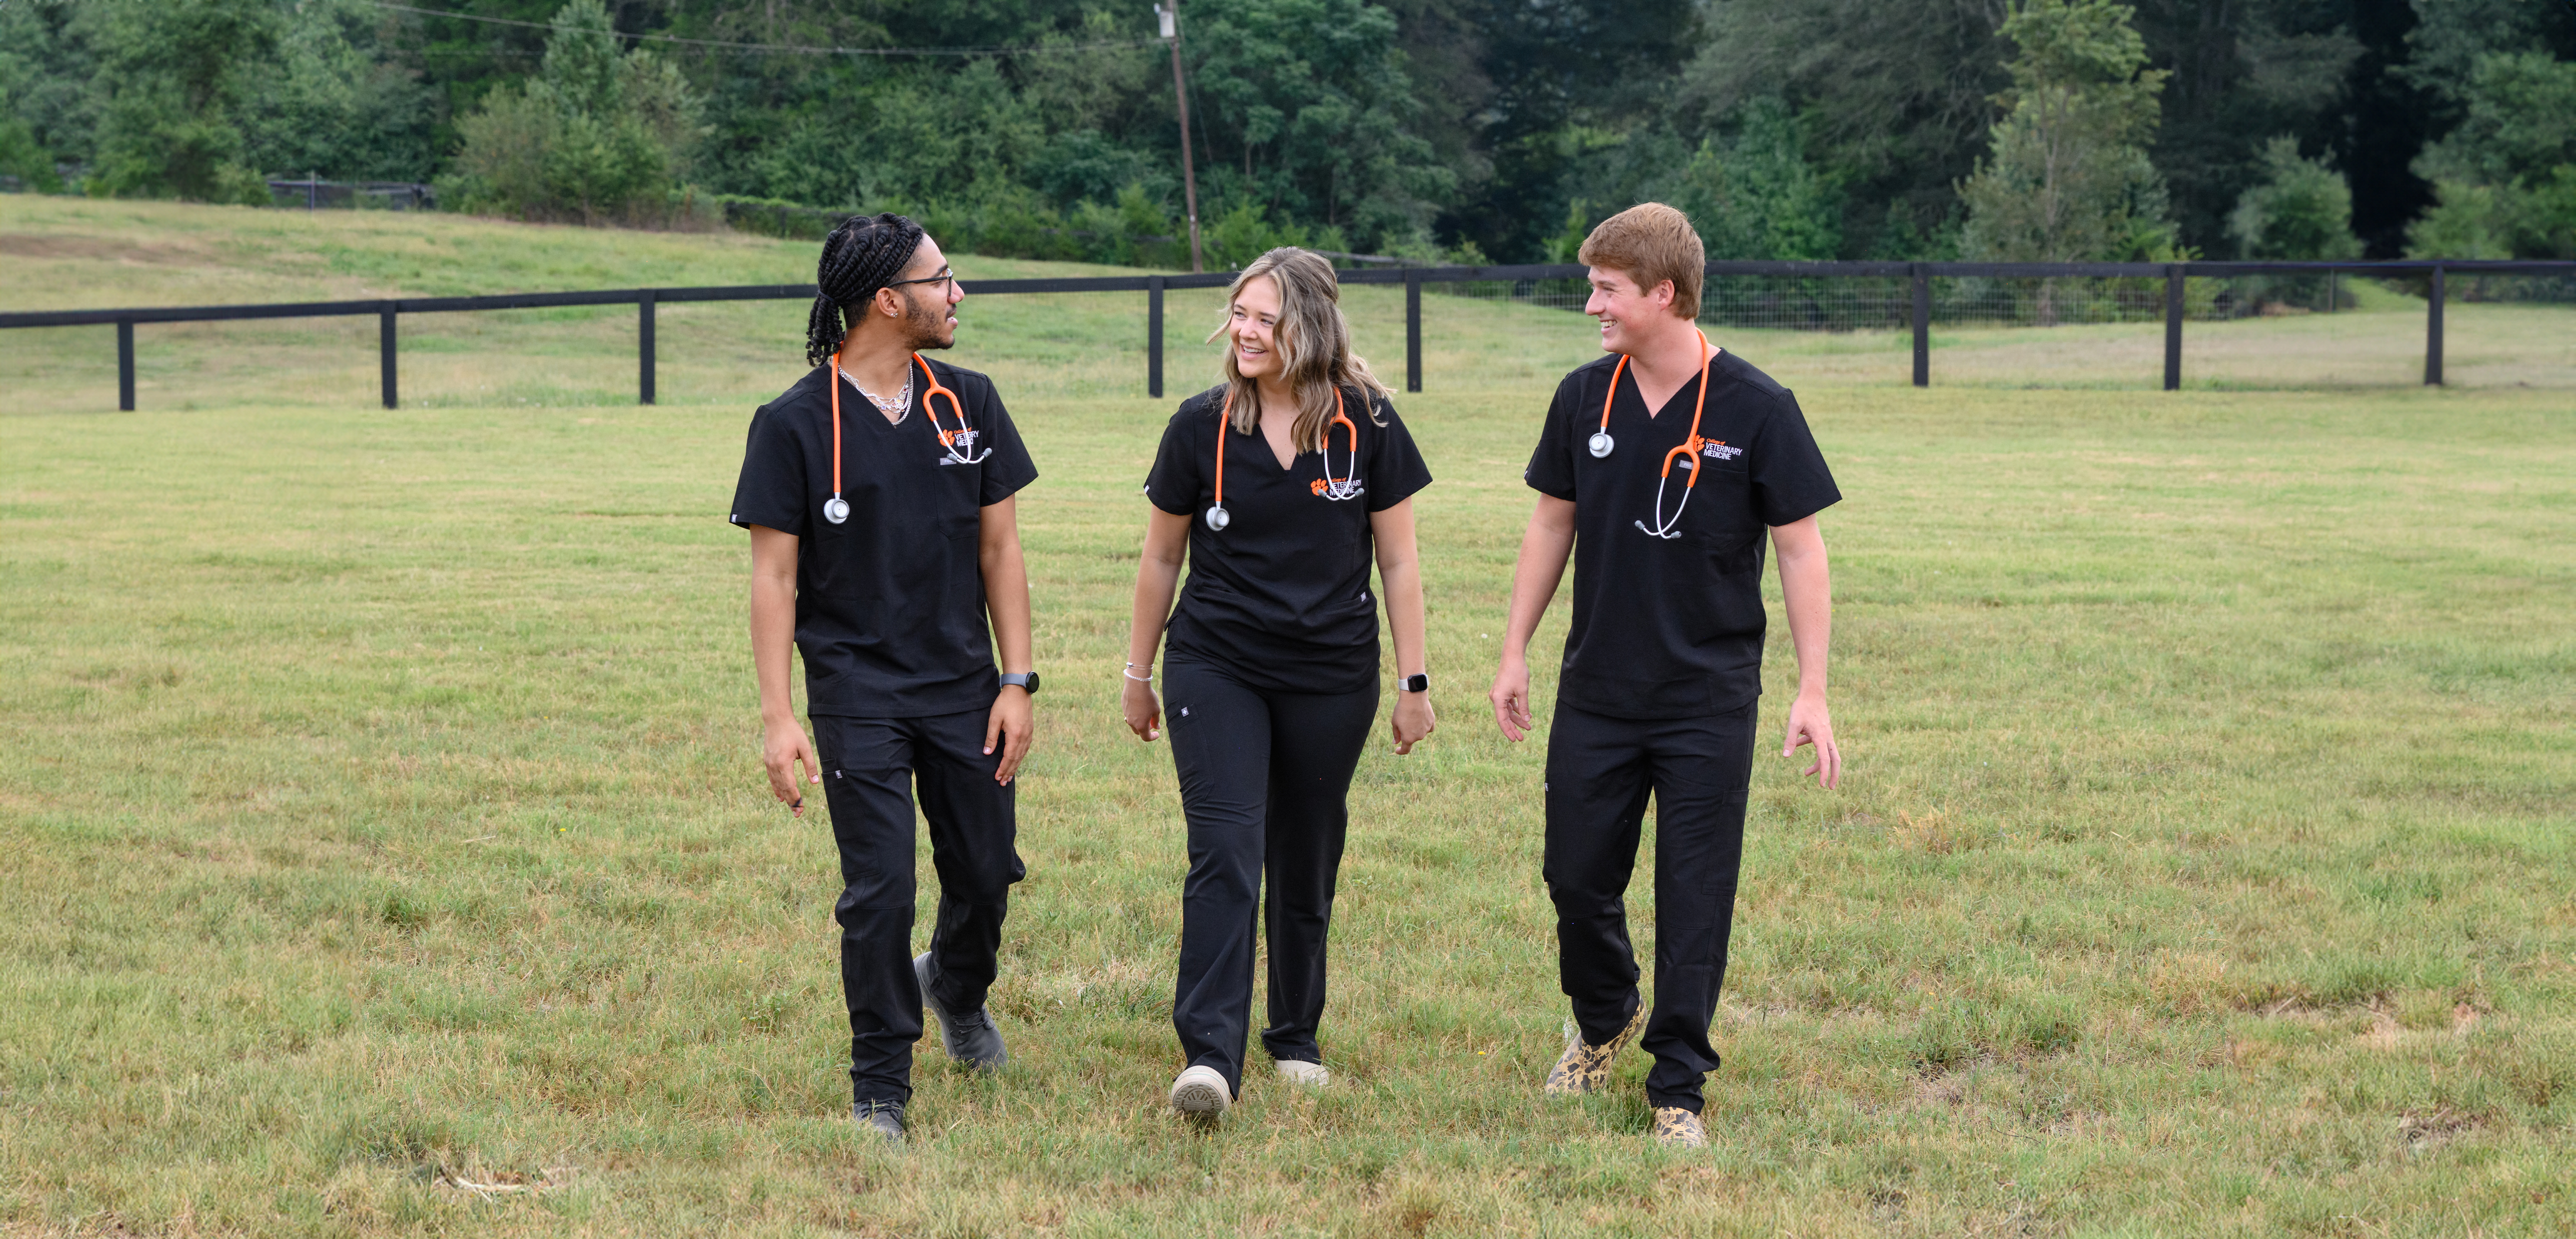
(1040, 49)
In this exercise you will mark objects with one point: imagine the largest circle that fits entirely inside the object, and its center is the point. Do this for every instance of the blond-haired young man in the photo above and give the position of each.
(1660, 468)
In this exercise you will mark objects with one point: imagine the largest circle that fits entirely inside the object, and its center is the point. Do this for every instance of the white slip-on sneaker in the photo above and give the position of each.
(1312, 1075)
(1200, 1093)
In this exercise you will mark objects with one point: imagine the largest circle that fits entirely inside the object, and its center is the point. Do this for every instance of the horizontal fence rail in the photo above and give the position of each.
(1920, 275)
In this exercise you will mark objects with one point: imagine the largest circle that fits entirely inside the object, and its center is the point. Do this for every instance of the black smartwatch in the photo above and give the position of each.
(1025, 679)
(1415, 683)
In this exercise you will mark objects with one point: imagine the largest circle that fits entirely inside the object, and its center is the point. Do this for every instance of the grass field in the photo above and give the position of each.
(380, 816)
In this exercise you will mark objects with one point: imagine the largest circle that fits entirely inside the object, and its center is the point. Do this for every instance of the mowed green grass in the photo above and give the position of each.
(380, 814)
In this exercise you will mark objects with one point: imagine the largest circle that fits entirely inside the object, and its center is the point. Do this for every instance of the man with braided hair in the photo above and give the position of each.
(879, 492)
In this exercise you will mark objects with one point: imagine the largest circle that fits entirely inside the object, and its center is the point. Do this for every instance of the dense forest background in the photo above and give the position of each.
(1464, 129)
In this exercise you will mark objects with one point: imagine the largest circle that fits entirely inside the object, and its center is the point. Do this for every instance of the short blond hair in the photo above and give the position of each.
(1651, 243)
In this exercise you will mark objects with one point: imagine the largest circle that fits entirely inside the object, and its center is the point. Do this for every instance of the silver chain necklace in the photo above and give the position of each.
(893, 407)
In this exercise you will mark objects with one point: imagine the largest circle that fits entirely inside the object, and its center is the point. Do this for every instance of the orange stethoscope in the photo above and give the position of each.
(1345, 487)
(836, 509)
(1688, 451)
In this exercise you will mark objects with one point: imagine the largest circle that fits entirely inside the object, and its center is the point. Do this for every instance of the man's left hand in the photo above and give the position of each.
(1009, 728)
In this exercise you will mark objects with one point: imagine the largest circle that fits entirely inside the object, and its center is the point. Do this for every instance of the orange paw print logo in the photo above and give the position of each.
(1316, 486)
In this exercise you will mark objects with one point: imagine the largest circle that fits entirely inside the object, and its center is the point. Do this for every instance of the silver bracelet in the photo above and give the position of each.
(1130, 672)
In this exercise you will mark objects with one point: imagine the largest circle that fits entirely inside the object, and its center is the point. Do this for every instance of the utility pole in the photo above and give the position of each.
(1169, 14)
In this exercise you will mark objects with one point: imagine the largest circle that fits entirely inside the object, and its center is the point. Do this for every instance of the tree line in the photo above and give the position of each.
(1462, 129)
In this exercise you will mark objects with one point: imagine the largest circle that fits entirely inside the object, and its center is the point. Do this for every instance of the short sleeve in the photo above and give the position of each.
(1008, 468)
(771, 490)
(1787, 470)
(1175, 482)
(1551, 466)
(1395, 466)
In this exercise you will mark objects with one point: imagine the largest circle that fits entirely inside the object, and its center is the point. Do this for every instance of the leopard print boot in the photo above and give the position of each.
(1585, 1068)
(1679, 1128)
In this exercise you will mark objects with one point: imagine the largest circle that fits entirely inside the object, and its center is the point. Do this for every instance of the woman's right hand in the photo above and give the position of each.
(1144, 711)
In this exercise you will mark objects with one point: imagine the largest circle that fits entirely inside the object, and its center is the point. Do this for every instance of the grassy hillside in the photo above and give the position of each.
(66, 253)
(380, 816)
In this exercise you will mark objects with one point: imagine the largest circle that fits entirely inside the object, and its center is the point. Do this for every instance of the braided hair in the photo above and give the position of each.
(861, 256)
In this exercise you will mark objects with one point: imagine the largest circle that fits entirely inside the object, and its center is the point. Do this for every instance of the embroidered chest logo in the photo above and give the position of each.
(1719, 450)
(1337, 488)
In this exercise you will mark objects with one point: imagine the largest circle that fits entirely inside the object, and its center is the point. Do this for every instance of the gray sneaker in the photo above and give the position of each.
(882, 1119)
(969, 1036)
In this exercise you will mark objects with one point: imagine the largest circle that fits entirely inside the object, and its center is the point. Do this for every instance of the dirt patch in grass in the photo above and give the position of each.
(72, 245)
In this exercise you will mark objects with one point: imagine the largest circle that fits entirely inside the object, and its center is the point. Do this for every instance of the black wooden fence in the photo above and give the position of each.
(1412, 278)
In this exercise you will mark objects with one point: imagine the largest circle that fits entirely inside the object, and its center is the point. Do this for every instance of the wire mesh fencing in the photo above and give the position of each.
(320, 195)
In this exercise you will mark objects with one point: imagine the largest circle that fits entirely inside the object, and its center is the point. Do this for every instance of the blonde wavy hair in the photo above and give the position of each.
(1313, 342)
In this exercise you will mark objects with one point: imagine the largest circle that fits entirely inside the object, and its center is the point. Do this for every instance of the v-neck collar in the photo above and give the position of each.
(1268, 455)
(1709, 373)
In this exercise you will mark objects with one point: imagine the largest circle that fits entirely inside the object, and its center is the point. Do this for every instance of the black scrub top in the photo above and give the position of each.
(1281, 598)
(889, 604)
(1672, 627)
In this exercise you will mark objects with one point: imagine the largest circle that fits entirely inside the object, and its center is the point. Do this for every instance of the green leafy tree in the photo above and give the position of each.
(920, 136)
(22, 157)
(600, 134)
(1245, 232)
(46, 71)
(338, 104)
(1756, 196)
(1534, 87)
(2067, 178)
(2451, 37)
(1567, 244)
(1306, 103)
(2240, 70)
(1893, 101)
(2506, 177)
(176, 75)
(2301, 210)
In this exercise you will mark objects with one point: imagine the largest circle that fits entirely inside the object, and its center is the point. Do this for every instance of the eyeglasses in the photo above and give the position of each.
(945, 276)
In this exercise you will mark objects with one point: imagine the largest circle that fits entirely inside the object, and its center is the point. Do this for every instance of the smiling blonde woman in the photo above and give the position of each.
(1276, 486)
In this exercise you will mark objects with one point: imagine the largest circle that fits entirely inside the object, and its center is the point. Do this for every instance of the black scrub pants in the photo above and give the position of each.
(1599, 772)
(870, 767)
(1265, 784)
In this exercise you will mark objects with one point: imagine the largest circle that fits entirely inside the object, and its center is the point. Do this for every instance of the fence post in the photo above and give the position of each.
(2173, 327)
(1922, 327)
(385, 349)
(644, 347)
(1413, 329)
(1154, 336)
(2433, 332)
(125, 365)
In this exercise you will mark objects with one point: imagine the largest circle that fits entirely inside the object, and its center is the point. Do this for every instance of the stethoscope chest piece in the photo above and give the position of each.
(836, 509)
(1600, 443)
(1218, 518)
